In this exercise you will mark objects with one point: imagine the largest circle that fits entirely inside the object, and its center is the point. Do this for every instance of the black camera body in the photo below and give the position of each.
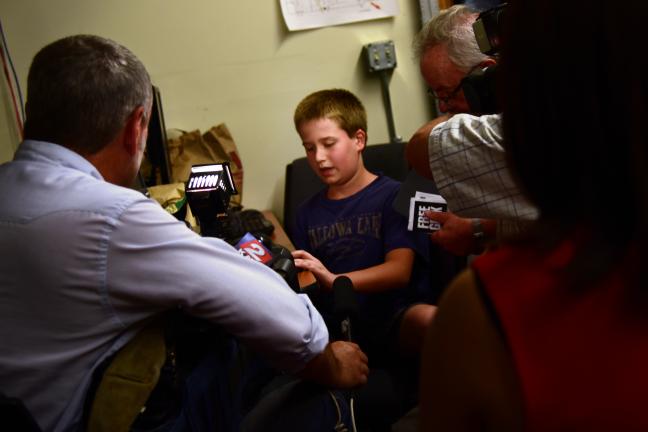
(487, 29)
(479, 86)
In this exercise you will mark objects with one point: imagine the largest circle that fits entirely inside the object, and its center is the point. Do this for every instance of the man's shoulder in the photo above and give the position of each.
(117, 197)
(470, 121)
(467, 130)
(50, 169)
(44, 190)
(97, 195)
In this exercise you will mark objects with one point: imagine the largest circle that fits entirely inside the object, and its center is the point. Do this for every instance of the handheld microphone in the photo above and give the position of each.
(277, 257)
(253, 248)
(284, 264)
(345, 304)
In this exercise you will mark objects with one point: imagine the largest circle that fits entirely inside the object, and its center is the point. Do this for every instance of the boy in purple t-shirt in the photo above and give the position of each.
(351, 229)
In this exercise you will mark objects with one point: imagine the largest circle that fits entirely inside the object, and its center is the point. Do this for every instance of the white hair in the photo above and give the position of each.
(452, 27)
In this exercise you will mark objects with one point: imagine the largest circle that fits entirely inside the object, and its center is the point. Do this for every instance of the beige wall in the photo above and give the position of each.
(9, 135)
(231, 61)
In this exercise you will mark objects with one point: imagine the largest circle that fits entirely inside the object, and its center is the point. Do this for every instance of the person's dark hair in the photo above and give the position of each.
(81, 90)
(575, 104)
(339, 105)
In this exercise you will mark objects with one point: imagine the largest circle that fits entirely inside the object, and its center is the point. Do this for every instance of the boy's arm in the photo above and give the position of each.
(392, 274)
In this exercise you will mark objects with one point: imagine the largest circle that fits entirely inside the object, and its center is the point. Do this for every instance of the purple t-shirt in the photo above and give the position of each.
(355, 233)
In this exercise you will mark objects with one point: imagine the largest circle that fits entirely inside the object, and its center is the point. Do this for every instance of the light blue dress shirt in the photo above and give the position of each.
(85, 263)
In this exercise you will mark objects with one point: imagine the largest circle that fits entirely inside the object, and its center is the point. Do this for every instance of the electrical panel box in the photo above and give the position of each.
(380, 56)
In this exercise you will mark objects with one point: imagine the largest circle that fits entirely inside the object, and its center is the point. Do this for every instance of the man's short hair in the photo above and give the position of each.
(339, 105)
(81, 90)
(452, 27)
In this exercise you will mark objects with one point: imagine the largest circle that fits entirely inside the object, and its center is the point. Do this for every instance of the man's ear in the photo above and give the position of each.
(135, 127)
(361, 138)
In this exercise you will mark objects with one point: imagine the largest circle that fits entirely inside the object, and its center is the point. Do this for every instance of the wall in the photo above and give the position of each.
(234, 62)
(9, 134)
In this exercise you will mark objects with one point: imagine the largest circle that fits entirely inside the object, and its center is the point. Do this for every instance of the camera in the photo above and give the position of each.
(479, 86)
(208, 193)
(487, 29)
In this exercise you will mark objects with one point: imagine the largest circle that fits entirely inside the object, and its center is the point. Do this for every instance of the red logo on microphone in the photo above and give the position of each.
(251, 247)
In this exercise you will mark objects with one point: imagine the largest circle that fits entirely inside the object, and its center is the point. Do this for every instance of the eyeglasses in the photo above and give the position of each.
(452, 93)
(445, 99)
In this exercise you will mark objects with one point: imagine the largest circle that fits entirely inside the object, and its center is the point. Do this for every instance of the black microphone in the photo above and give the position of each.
(284, 264)
(345, 304)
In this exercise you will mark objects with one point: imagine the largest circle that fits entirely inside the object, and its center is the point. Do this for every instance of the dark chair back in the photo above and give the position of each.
(15, 416)
(302, 182)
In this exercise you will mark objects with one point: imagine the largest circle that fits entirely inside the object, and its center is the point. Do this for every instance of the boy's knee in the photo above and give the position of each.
(420, 316)
(416, 320)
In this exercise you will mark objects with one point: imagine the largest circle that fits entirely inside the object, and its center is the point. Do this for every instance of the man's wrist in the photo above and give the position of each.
(484, 232)
(479, 235)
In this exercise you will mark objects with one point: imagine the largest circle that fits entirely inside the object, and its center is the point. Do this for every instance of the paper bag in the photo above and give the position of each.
(214, 146)
(172, 198)
(220, 137)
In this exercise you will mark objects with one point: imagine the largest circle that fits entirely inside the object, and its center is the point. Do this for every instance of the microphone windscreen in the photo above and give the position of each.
(344, 299)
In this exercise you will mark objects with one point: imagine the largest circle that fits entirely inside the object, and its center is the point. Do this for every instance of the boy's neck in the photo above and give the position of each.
(359, 181)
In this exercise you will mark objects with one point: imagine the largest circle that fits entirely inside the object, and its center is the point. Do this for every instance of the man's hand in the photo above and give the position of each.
(455, 235)
(306, 261)
(340, 365)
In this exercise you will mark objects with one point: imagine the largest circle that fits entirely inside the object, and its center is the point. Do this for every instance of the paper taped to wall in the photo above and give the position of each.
(307, 14)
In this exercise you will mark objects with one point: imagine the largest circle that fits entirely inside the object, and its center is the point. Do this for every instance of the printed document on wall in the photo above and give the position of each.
(307, 14)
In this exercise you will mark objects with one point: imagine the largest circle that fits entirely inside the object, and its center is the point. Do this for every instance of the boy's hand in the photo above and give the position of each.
(306, 261)
(341, 365)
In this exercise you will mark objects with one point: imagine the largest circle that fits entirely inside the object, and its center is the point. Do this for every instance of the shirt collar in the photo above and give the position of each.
(43, 151)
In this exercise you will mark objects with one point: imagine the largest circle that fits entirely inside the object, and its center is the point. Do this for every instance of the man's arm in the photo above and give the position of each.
(156, 263)
(469, 167)
(456, 234)
(464, 138)
(393, 273)
(416, 151)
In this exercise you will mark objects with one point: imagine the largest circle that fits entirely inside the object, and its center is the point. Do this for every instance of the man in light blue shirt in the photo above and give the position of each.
(86, 261)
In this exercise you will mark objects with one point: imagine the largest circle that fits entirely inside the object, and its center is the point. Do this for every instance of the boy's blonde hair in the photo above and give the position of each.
(338, 105)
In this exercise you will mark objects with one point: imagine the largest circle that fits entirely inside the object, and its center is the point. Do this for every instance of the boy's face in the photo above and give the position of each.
(331, 153)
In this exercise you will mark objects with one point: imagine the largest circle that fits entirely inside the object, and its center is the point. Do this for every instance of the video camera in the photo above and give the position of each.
(479, 87)
(208, 193)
